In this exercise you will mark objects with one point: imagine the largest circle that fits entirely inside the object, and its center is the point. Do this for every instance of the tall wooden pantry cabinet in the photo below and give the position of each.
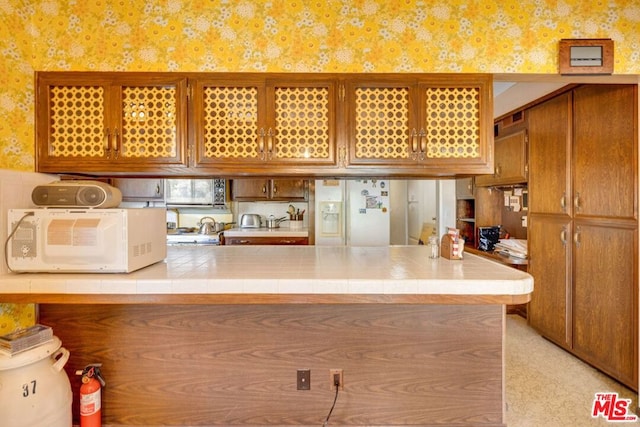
(583, 225)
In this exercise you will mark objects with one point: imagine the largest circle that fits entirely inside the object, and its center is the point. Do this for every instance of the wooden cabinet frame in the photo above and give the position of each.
(318, 110)
(262, 189)
(91, 130)
(510, 163)
(409, 122)
(266, 130)
(583, 235)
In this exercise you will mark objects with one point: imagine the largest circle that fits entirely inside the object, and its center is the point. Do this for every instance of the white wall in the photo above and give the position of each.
(15, 193)
(398, 202)
(446, 195)
(422, 202)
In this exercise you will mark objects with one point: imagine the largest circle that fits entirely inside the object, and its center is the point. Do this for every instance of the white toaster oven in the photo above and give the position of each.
(85, 240)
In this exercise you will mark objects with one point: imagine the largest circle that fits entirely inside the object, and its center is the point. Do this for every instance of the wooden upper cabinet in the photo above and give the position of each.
(247, 189)
(550, 145)
(140, 189)
(264, 124)
(510, 161)
(581, 148)
(228, 115)
(257, 121)
(110, 122)
(605, 144)
(436, 121)
(381, 122)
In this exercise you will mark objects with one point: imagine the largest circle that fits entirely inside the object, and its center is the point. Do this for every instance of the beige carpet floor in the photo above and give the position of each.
(546, 386)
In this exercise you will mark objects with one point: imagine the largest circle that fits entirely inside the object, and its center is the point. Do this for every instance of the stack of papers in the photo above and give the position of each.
(25, 339)
(513, 247)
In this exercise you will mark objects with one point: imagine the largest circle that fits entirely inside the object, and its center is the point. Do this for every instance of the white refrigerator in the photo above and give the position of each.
(353, 212)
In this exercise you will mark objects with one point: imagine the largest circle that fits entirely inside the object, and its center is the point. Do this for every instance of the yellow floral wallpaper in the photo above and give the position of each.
(16, 316)
(511, 36)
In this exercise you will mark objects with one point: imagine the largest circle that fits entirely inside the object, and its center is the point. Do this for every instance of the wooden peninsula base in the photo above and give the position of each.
(216, 335)
(205, 365)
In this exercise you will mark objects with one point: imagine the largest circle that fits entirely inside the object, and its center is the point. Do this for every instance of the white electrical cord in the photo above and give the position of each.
(6, 242)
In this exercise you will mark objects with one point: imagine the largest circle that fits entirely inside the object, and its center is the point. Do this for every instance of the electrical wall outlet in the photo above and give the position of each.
(336, 375)
(304, 379)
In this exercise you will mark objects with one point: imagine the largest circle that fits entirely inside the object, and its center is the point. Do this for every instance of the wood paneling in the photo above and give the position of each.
(236, 365)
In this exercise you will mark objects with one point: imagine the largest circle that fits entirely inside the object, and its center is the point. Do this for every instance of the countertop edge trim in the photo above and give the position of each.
(264, 299)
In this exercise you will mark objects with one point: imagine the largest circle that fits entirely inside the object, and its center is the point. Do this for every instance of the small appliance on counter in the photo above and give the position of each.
(250, 221)
(85, 240)
(488, 237)
(76, 193)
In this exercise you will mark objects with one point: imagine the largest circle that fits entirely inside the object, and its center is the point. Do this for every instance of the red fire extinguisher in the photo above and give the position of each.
(90, 396)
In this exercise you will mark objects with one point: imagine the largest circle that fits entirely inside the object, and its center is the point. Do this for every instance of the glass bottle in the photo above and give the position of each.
(434, 249)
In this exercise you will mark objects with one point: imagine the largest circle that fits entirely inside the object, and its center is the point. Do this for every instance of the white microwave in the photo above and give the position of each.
(85, 240)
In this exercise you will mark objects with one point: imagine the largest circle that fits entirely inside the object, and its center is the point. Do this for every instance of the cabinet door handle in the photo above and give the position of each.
(264, 189)
(342, 157)
(563, 202)
(261, 140)
(423, 144)
(107, 143)
(270, 137)
(576, 202)
(563, 235)
(498, 171)
(414, 140)
(275, 189)
(116, 143)
(576, 237)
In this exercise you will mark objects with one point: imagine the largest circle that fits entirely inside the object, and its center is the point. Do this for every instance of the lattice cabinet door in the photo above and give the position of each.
(229, 121)
(381, 126)
(252, 121)
(301, 124)
(420, 123)
(152, 122)
(108, 122)
(456, 124)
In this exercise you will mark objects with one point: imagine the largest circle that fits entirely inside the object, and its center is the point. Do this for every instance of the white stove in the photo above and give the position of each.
(193, 239)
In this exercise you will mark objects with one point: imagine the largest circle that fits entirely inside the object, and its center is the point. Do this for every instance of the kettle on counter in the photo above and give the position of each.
(207, 227)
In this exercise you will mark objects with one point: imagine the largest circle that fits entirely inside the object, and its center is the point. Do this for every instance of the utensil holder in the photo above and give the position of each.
(450, 249)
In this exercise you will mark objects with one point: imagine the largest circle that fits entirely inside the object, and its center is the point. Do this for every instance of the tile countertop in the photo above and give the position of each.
(284, 274)
(267, 232)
